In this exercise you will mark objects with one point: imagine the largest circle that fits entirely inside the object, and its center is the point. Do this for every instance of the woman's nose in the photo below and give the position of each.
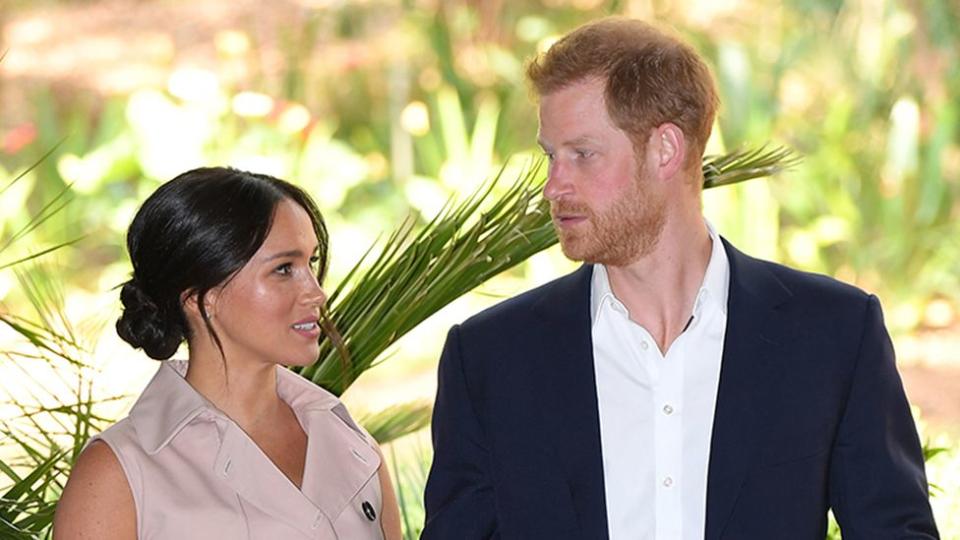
(314, 294)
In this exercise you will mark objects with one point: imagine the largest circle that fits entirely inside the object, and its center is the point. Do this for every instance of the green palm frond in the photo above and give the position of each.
(34, 165)
(37, 255)
(396, 421)
(26, 509)
(52, 332)
(55, 205)
(416, 274)
(409, 480)
(743, 165)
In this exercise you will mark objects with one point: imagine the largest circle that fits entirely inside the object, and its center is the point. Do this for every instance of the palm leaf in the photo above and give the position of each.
(743, 165)
(409, 480)
(396, 421)
(34, 165)
(416, 274)
(55, 205)
(41, 253)
(26, 508)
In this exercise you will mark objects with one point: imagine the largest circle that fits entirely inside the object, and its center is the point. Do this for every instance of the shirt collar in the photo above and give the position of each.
(713, 290)
(716, 280)
(169, 403)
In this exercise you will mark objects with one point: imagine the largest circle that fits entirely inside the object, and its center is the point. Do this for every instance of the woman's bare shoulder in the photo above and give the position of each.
(97, 501)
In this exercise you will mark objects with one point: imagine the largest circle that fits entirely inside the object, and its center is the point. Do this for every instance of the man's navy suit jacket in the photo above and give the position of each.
(810, 415)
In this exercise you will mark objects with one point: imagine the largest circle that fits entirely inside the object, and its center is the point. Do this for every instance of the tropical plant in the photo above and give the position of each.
(25, 506)
(415, 274)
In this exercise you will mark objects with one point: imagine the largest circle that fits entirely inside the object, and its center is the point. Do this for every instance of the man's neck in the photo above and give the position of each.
(659, 289)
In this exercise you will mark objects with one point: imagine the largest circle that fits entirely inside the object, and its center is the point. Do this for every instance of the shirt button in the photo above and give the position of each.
(226, 467)
(667, 410)
(644, 345)
(667, 482)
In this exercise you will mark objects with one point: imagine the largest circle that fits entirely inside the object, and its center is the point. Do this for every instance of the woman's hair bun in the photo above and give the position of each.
(145, 325)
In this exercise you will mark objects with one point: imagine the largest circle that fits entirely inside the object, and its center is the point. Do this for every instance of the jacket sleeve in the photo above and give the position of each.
(458, 498)
(878, 488)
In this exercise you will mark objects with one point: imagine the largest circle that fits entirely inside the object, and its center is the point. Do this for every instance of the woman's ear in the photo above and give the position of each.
(190, 300)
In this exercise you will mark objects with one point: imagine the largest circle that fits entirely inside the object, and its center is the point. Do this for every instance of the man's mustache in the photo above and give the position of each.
(568, 208)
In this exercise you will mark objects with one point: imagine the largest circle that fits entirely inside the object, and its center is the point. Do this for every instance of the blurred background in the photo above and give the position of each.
(384, 109)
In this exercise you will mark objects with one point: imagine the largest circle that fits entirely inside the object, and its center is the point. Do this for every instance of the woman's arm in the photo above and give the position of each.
(97, 502)
(390, 511)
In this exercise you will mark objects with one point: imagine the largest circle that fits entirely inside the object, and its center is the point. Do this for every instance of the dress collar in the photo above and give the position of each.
(169, 403)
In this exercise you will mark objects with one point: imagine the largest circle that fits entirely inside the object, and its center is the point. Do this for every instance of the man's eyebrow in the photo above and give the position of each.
(582, 139)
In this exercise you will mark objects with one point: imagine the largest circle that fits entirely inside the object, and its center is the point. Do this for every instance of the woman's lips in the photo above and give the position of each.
(307, 328)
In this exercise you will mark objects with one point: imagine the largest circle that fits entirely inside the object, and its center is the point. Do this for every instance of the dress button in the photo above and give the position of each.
(667, 410)
(226, 467)
(368, 511)
(644, 345)
(667, 482)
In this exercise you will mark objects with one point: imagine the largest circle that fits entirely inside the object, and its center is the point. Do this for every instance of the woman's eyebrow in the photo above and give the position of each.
(284, 254)
(290, 253)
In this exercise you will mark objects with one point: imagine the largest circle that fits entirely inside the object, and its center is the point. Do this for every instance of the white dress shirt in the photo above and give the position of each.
(656, 410)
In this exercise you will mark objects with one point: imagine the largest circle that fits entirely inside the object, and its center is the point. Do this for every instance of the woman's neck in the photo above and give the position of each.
(244, 391)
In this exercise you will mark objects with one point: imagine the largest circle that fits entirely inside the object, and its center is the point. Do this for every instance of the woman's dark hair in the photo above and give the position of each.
(192, 234)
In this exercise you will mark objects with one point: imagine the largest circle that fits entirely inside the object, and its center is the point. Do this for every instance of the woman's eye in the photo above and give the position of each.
(284, 269)
(314, 262)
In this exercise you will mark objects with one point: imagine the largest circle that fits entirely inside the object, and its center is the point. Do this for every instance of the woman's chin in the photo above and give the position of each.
(303, 359)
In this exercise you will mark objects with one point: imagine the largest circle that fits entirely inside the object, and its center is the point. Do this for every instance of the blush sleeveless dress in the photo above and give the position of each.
(195, 474)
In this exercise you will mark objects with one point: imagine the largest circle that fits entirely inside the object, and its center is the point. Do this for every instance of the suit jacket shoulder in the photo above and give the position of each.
(567, 294)
(808, 300)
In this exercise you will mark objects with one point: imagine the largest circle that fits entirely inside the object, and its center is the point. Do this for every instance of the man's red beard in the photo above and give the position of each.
(621, 234)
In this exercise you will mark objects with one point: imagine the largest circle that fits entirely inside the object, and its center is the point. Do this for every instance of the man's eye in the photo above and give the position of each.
(583, 154)
(549, 155)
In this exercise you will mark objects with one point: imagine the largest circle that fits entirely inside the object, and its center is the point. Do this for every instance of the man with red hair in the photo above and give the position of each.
(673, 388)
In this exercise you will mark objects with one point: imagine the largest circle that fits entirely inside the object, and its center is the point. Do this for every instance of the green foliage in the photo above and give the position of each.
(397, 421)
(415, 275)
(466, 244)
(863, 91)
(410, 479)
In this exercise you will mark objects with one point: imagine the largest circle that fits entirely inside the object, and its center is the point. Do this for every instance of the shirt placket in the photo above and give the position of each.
(668, 425)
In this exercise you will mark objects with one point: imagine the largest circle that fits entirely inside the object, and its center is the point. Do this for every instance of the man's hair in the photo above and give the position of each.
(651, 78)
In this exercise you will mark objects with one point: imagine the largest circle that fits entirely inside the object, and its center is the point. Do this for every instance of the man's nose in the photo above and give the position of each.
(558, 182)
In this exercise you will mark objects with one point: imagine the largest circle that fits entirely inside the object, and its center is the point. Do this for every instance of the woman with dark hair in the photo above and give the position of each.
(228, 444)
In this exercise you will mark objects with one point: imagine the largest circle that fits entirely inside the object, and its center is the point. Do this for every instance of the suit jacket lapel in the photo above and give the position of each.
(564, 366)
(750, 349)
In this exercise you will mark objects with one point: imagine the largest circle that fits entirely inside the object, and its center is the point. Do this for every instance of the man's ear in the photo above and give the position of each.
(670, 147)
